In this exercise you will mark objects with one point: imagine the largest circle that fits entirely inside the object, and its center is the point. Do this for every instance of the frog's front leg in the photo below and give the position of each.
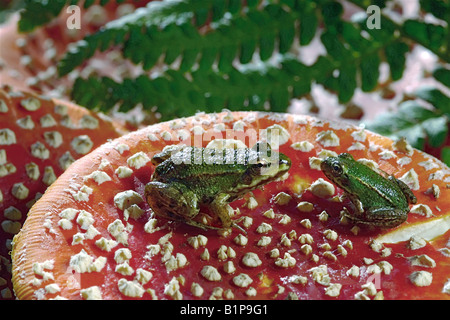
(171, 201)
(356, 202)
(219, 207)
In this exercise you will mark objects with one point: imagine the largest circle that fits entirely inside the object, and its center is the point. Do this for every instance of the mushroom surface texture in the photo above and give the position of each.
(39, 138)
(92, 235)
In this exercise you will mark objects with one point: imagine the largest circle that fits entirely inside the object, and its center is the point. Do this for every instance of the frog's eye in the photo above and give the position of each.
(256, 169)
(258, 166)
(337, 169)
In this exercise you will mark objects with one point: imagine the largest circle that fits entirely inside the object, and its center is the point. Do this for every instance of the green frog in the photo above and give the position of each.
(380, 200)
(188, 178)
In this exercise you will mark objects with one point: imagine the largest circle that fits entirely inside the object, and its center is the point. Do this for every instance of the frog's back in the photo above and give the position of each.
(194, 162)
(367, 181)
(197, 170)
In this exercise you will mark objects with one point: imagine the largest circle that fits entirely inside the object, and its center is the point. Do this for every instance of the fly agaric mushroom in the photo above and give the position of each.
(39, 139)
(30, 59)
(93, 236)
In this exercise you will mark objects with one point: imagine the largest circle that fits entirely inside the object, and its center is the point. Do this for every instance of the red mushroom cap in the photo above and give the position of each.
(39, 138)
(93, 236)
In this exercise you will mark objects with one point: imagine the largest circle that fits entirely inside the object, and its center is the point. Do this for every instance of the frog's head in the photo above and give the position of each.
(335, 169)
(268, 167)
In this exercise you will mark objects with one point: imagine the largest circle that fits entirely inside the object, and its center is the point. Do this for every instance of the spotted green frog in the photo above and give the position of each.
(380, 200)
(188, 178)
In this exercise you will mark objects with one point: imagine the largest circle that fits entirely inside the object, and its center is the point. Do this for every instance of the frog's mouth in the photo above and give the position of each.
(325, 167)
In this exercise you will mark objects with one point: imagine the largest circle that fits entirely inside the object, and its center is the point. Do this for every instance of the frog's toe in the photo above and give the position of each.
(235, 225)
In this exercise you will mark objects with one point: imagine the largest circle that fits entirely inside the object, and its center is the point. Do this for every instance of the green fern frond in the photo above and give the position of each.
(169, 29)
(238, 54)
(432, 36)
(176, 94)
(419, 124)
(251, 86)
(38, 13)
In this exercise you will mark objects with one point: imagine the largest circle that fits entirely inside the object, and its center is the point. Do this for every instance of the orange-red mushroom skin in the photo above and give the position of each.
(93, 235)
(40, 137)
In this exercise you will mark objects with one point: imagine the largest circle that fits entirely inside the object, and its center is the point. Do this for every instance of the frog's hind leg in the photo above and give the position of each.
(169, 202)
(379, 218)
(410, 197)
(386, 218)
